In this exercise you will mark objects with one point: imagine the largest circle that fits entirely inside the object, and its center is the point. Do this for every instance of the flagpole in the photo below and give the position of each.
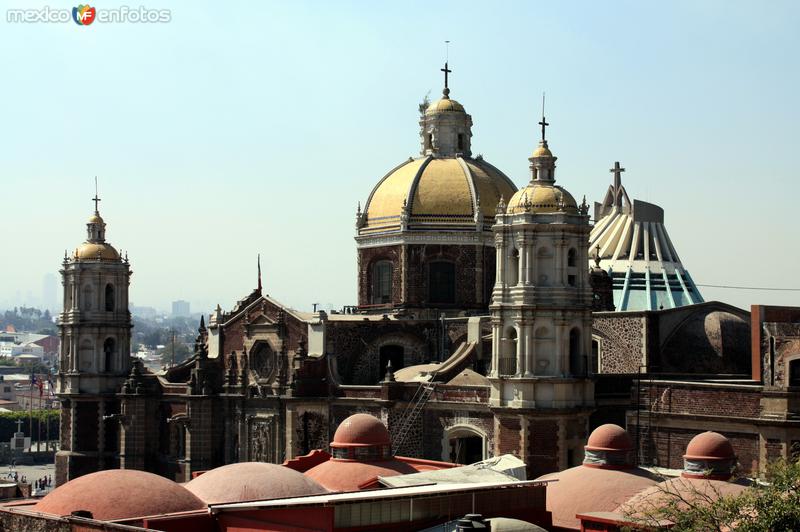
(39, 424)
(30, 412)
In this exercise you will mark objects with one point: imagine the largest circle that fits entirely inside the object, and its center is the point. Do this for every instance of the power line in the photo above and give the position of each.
(749, 288)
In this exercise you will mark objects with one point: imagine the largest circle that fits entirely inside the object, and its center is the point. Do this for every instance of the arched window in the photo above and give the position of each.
(109, 297)
(507, 361)
(576, 366)
(109, 350)
(572, 257)
(513, 267)
(460, 142)
(442, 282)
(382, 282)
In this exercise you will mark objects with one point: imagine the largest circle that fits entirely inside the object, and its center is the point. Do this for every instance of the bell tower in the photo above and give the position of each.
(95, 328)
(542, 319)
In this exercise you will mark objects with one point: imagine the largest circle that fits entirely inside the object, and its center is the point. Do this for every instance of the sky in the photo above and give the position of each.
(243, 128)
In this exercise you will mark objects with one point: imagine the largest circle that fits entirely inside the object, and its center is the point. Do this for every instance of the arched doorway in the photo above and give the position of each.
(794, 372)
(464, 445)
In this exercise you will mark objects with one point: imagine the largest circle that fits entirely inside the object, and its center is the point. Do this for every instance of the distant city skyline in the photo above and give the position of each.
(215, 139)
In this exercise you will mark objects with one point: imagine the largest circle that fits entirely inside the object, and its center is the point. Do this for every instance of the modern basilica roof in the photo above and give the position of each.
(635, 249)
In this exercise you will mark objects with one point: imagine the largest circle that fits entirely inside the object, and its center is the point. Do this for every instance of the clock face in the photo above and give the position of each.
(262, 360)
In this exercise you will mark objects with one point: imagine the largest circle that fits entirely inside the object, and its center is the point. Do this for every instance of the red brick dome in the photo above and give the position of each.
(609, 437)
(119, 494)
(251, 481)
(695, 491)
(352, 475)
(359, 430)
(709, 446)
(585, 489)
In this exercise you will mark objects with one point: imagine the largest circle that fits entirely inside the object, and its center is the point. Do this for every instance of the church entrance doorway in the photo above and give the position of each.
(390, 352)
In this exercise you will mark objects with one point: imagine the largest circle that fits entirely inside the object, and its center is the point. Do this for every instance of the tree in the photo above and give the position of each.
(762, 507)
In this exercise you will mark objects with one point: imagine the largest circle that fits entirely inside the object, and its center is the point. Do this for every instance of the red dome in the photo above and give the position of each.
(251, 481)
(700, 491)
(119, 494)
(609, 437)
(350, 475)
(361, 429)
(585, 489)
(709, 446)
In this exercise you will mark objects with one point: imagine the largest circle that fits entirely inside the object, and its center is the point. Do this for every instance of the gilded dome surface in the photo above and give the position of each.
(542, 151)
(444, 105)
(444, 192)
(101, 250)
(543, 198)
(96, 219)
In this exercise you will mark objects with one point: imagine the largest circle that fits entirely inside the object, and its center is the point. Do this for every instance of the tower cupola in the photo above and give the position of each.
(445, 127)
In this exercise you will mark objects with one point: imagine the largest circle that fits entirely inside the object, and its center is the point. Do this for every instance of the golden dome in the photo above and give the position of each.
(96, 219)
(543, 198)
(542, 151)
(444, 105)
(436, 192)
(89, 250)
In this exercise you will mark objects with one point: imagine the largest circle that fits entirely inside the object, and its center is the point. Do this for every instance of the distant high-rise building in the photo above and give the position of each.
(180, 308)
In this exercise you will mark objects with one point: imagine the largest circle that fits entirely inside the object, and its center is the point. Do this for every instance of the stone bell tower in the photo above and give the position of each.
(542, 318)
(95, 356)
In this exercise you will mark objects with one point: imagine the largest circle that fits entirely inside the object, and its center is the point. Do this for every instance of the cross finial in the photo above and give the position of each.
(617, 171)
(96, 198)
(446, 71)
(544, 122)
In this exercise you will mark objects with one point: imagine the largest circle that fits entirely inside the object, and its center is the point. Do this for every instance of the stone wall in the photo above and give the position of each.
(357, 346)
(622, 342)
(543, 449)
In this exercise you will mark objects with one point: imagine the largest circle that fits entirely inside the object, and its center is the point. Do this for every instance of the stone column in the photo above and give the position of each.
(559, 262)
(559, 356)
(530, 367)
(520, 349)
(523, 262)
(496, 346)
(500, 274)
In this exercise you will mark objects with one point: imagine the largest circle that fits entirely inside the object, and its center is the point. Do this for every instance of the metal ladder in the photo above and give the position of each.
(415, 406)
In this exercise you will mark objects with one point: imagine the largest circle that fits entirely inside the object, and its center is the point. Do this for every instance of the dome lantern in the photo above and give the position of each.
(445, 127)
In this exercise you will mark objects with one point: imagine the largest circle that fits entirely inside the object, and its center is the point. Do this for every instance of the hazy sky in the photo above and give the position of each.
(245, 128)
